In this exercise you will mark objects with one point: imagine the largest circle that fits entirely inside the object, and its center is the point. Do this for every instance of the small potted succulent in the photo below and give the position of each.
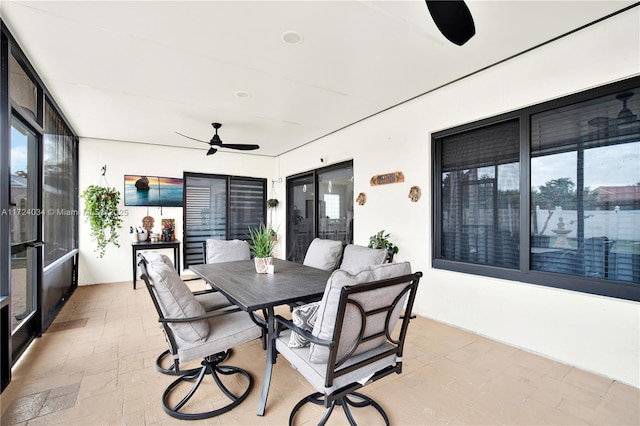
(261, 246)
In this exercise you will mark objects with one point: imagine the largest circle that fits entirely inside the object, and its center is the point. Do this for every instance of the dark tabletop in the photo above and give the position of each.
(240, 282)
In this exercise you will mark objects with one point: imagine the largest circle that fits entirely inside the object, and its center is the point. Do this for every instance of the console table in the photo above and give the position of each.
(146, 245)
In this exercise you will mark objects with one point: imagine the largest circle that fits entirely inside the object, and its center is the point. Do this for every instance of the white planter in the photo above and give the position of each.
(262, 264)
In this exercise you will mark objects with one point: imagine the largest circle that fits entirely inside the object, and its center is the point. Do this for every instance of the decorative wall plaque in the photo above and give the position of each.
(415, 193)
(395, 177)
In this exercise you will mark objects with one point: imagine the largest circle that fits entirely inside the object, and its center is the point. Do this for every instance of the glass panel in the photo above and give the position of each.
(335, 204)
(300, 216)
(480, 201)
(22, 287)
(24, 212)
(23, 220)
(59, 190)
(23, 90)
(585, 190)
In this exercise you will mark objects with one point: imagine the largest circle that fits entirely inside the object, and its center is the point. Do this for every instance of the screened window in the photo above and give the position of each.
(219, 207)
(580, 193)
(59, 189)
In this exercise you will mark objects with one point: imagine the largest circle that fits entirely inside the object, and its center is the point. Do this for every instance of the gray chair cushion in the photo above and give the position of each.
(328, 309)
(225, 332)
(357, 258)
(323, 254)
(316, 373)
(226, 250)
(176, 299)
(304, 317)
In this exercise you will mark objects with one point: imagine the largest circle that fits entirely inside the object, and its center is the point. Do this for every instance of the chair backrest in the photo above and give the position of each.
(323, 254)
(360, 313)
(216, 251)
(172, 299)
(356, 258)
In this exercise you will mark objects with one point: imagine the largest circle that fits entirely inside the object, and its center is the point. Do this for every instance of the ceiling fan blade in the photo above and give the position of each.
(194, 139)
(242, 147)
(212, 151)
(453, 19)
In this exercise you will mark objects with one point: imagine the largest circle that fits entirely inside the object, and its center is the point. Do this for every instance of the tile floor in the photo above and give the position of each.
(95, 365)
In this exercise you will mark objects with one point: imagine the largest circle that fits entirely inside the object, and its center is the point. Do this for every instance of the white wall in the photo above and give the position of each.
(139, 159)
(596, 333)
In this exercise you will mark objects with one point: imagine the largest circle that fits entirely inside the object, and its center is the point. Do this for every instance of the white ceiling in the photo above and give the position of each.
(142, 71)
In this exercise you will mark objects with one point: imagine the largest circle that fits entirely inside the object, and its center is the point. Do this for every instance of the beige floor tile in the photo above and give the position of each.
(99, 369)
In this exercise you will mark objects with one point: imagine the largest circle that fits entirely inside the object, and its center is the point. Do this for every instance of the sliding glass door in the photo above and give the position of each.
(25, 237)
(319, 204)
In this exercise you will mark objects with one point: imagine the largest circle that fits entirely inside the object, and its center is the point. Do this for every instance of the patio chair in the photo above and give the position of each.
(216, 251)
(192, 333)
(210, 300)
(356, 258)
(354, 340)
(323, 254)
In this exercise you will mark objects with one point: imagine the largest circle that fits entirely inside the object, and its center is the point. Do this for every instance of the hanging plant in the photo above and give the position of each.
(102, 213)
(272, 203)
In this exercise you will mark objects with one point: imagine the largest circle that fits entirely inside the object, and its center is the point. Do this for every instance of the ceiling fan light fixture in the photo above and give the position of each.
(212, 151)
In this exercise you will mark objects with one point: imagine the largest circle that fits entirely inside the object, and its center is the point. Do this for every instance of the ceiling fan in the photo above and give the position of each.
(216, 142)
(453, 19)
(625, 119)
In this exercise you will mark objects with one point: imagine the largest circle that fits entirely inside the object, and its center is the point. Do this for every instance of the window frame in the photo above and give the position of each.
(615, 289)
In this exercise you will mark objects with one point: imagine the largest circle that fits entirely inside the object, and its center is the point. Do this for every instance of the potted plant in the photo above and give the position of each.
(261, 246)
(272, 203)
(102, 213)
(381, 240)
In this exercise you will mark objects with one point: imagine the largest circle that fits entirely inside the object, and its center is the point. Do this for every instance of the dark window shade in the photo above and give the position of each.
(480, 195)
(586, 124)
(485, 146)
(220, 207)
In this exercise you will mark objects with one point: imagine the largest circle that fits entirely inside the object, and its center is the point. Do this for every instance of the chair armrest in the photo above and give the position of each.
(301, 331)
(207, 315)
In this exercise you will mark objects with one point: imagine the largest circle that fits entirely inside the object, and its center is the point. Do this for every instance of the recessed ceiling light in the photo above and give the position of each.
(243, 94)
(292, 37)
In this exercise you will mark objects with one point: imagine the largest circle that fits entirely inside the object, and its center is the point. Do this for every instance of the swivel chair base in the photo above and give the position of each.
(173, 371)
(345, 401)
(210, 365)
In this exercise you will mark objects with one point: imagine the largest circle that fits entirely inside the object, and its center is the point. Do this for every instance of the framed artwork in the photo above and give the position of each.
(154, 191)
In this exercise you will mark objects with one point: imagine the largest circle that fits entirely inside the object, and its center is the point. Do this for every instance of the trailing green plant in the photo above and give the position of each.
(102, 213)
(381, 240)
(262, 242)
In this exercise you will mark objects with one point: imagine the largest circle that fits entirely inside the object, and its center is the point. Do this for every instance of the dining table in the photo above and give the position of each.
(251, 291)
